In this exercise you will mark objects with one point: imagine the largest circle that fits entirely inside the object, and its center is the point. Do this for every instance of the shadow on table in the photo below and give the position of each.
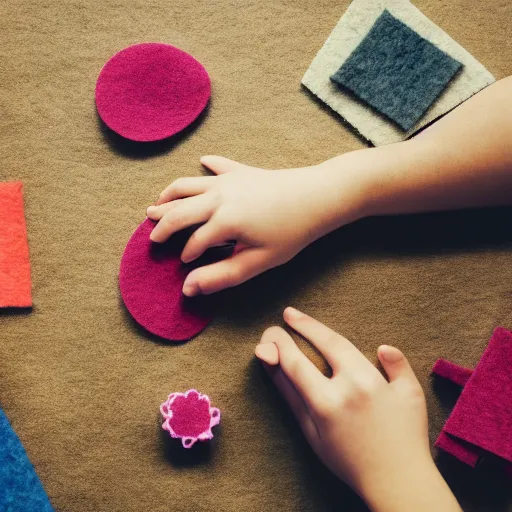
(485, 487)
(316, 480)
(408, 236)
(200, 454)
(12, 311)
(142, 150)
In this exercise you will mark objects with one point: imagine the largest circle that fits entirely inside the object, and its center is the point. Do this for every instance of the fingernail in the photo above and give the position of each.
(390, 354)
(293, 313)
(190, 288)
(267, 352)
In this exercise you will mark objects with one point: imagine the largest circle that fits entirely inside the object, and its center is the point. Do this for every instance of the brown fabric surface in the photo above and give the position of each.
(82, 385)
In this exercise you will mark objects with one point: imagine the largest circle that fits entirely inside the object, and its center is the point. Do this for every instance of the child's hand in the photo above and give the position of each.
(272, 215)
(370, 432)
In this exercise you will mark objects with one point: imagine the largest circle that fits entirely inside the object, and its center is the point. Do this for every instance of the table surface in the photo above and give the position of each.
(82, 384)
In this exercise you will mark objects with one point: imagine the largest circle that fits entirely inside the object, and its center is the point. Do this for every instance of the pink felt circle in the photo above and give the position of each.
(151, 278)
(150, 91)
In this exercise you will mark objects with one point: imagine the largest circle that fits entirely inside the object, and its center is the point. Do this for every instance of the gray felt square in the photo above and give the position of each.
(396, 71)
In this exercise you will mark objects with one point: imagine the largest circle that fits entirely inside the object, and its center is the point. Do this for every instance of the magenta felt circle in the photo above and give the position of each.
(151, 278)
(150, 91)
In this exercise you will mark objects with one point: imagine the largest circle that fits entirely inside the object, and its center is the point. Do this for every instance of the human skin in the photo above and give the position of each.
(464, 160)
(370, 432)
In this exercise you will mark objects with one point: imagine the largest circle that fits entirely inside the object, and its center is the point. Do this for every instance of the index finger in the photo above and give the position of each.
(337, 350)
(302, 373)
(185, 187)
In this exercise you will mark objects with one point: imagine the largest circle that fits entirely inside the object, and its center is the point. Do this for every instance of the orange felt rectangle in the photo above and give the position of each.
(15, 283)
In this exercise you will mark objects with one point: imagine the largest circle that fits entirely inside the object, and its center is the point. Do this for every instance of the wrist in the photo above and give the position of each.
(351, 183)
(418, 486)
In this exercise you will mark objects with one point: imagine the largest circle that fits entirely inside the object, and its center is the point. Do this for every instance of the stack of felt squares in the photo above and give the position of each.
(481, 421)
(389, 71)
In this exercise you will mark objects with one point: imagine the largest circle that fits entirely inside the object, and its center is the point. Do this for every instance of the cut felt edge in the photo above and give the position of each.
(187, 440)
(189, 119)
(465, 452)
(452, 372)
(15, 270)
(344, 77)
(455, 441)
(17, 474)
(180, 333)
(501, 340)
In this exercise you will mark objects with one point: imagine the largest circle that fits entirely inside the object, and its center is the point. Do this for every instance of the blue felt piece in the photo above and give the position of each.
(20, 487)
(396, 71)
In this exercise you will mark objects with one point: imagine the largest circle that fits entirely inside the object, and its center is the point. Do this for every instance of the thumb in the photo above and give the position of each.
(396, 365)
(221, 165)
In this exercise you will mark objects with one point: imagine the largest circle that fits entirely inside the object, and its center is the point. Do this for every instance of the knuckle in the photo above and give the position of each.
(234, 274)
(215, 194)
(360, 395)
(228, 221)
(415, 392)
(173, 220)
(328, 404)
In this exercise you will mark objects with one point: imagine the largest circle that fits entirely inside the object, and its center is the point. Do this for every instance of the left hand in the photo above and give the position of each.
(370, 432)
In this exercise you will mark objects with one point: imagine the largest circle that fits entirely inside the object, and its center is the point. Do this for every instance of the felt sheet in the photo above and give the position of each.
(483, 414)
(150, 91)
(350, 31)
(396, 71)
(151, 279)
(20, 487)
(15, 283)
(82, 385)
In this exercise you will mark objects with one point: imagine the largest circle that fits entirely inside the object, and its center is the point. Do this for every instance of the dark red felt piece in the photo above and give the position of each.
(150, 91)
(465, 452)
(151, 278)
(483, 414)
(191, 416)
(481, 421)
(453, 372)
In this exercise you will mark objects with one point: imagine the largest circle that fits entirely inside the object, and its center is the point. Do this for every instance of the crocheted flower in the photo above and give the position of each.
(189, 417)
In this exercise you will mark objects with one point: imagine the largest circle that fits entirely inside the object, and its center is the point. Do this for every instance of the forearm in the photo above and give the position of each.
(462, 161)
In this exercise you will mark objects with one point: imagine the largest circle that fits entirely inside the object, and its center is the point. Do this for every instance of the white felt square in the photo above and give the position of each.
(346, 36)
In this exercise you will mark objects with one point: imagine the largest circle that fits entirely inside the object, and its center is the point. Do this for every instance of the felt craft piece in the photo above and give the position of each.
(20, 487)
(481, 420)
(396, 71)
(150, 91)
(453, 372)
(349, 33)
(15, 282)
(189, 417)
(151, 279)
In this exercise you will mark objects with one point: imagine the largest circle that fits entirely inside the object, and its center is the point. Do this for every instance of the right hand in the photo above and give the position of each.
(272, 215)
